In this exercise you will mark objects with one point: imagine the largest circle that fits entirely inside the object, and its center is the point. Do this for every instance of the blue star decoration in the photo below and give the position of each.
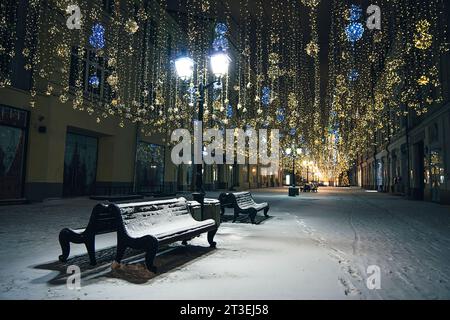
(97, 39)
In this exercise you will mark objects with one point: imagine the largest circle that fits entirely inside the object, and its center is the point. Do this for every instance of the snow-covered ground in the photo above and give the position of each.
(316, 246)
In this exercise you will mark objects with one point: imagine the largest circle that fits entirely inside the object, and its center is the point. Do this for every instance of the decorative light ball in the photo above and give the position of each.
(274, 38)
(423, 80)
(355, 13)
(221, 29)
(97, 39)
(63, 98)
(354, 31)
(112, 62)
(142, 15)
(26, 52)
(62, 50)
(311, 3)
(353, 75)
(94, 82)
(377, 37)
(422, 38)
(274, 58)
(312, 49)
(281, 115)
(221, 44)
(131, 26)
(49, 90)
(113, 80)
(266, 96)
(230, 111)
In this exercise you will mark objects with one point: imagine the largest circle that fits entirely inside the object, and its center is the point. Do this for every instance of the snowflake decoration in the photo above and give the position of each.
(94, 81)
(97, 39)
(354, 31)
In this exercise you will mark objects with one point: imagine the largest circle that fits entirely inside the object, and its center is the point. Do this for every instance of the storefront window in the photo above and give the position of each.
(80, 165)
(13, 125)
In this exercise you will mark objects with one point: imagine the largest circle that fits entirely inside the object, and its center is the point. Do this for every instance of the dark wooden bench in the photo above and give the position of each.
(147, 226)
(242, 202)
(106, 219)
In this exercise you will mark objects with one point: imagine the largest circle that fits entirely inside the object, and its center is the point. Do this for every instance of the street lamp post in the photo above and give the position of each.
(293, 190)
(307, 164)
(220, 62)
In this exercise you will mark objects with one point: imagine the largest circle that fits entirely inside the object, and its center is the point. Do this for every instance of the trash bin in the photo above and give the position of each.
(211, 210)
(294, 191)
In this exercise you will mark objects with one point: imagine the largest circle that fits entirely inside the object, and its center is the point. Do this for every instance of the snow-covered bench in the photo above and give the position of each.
(242, 202)
(108, 218)
(147, 226)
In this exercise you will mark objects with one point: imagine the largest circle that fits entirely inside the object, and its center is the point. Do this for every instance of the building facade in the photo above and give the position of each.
(50, 150)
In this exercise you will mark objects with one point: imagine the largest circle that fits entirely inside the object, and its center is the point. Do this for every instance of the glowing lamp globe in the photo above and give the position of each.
(220, 63)
(185, 68)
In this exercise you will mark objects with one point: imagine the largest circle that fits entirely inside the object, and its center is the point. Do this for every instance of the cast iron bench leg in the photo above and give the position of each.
(236, 215)
(152, 250)
(121, 247)
(253, 215)
(211, 236)
(90, 246)
(65, 245)
(66, 236)
(266, 210)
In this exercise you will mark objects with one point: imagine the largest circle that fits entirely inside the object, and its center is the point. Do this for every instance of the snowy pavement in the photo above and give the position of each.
(316, 246)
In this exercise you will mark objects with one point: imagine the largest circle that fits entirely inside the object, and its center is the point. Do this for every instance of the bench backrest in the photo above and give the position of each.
(226, 199)
(145, 216)
(244, 199)
(102, 220)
